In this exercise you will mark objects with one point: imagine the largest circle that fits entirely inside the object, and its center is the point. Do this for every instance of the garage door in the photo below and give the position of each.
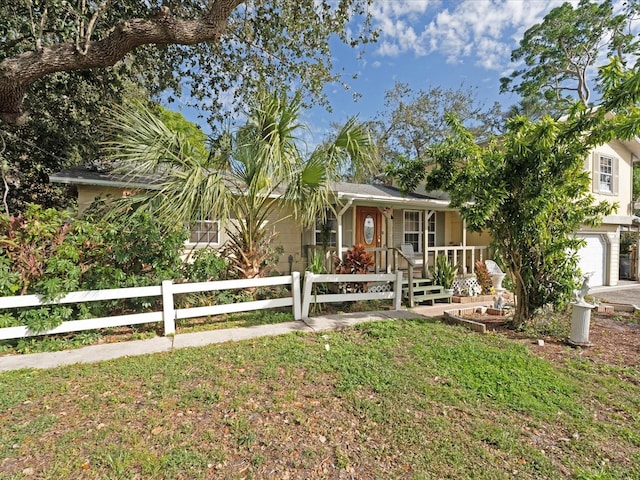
(592, 258)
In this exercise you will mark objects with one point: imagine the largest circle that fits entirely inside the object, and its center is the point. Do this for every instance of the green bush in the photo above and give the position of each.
(48, 252)
(207, 265)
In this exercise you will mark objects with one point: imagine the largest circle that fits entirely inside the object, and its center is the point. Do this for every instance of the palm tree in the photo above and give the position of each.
(248, 174)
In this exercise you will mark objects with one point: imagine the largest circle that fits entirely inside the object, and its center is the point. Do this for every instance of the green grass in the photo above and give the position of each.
(395, 399)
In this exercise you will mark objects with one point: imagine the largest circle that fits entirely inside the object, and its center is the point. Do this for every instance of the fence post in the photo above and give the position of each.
(306, 294)
(397, 299)
(295, 293)
(168, 310)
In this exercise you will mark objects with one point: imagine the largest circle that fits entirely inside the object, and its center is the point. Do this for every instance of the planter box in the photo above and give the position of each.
(476, 299)
(496, 311)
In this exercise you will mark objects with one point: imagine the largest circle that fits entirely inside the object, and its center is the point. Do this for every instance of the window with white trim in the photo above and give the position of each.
(413, 229)
(606, 175)
(205, 232)
(431, 230)
(325, 230)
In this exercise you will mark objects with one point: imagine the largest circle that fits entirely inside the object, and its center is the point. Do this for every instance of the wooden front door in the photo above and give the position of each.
(369, 227)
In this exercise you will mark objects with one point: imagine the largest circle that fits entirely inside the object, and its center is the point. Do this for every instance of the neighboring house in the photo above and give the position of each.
(379, 217)
(611, 170)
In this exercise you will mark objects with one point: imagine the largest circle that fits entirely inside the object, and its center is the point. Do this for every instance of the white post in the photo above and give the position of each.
(581, 316)
(295, 293)
(168, 310)
(464, 246)
(306, 294)
(397, 299)
(580, 322)
(340, 229)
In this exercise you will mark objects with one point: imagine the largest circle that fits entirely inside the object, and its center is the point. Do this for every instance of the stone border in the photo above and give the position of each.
(453, 317)
(618, 307)
(477, 298)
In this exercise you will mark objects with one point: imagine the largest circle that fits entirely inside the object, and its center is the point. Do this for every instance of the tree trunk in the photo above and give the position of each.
(20, 71)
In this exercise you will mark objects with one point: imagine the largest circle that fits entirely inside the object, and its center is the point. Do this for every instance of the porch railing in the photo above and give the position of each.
(387, 259)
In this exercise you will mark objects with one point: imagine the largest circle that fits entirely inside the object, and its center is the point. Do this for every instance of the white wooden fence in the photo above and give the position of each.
(309, 297)
(169, 314)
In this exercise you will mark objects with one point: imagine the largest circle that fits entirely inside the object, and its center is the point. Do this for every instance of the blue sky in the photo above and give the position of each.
(429, 43)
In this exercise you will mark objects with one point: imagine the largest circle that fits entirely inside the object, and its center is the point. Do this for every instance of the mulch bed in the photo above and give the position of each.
(615, 337)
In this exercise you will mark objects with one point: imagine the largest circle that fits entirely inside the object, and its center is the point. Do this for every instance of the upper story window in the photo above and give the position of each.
(605, 174)
(205, 232)
(413, 229)
(325, 230)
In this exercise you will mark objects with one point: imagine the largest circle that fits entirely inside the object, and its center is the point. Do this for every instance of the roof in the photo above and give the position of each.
(350, 192)
(85, 176)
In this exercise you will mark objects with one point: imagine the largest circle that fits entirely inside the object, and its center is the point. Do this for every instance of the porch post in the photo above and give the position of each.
(388, 212)
(339, 220)
(425, 242)
(464, 246)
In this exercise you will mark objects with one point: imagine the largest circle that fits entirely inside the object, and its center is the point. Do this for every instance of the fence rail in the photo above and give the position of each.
(309, 297)
(169, 313)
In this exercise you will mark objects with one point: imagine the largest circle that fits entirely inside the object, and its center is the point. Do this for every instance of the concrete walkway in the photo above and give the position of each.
(626, 293)
(99, 353)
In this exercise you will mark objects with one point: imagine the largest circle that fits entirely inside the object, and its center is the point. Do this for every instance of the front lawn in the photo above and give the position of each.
(393, 399)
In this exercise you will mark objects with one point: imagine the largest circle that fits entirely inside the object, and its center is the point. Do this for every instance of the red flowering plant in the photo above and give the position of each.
(356, 261)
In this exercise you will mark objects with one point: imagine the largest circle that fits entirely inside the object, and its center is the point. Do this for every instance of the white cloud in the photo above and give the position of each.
(483, 31)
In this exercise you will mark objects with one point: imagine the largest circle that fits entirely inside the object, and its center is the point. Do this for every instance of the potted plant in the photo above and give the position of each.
(444, 273)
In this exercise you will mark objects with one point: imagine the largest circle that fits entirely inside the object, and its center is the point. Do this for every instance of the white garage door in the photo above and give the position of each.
(592, 259)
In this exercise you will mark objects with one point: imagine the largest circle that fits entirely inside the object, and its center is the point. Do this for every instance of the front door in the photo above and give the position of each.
(369, 227)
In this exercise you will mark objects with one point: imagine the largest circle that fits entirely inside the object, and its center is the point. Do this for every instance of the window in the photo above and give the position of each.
(606, 175)
(206, 232)
(325, 232)
(413, 229)
(431, 230)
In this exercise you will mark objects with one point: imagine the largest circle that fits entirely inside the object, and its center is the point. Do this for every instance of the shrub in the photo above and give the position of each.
(207, 265)
(356, 261)
(444, 273)
(47, 252)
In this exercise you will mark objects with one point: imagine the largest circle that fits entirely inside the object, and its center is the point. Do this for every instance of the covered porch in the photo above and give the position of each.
(385, 221)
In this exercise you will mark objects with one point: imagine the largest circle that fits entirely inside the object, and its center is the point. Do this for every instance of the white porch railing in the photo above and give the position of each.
(464, 257)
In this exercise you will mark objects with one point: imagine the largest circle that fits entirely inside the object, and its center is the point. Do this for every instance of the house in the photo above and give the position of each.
(611, 170)
(382, 219)
(379, 217)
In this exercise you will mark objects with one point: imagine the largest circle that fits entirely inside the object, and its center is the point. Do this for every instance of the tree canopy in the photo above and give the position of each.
(218, 49)
(238, 180)
(415, 120)
(561, 55)
(529, 187)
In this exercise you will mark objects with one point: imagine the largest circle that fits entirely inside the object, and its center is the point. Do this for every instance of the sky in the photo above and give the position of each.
(428, 43)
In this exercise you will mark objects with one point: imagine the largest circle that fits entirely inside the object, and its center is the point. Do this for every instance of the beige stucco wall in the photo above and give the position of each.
(453, 229)
(87, 194)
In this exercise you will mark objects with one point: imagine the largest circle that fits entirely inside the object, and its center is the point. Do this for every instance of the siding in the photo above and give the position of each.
(625, 176)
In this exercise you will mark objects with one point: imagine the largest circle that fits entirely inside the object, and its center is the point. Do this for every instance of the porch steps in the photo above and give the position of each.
(425, 291)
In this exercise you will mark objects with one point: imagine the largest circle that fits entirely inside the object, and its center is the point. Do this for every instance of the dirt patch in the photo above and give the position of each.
(615, 337)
